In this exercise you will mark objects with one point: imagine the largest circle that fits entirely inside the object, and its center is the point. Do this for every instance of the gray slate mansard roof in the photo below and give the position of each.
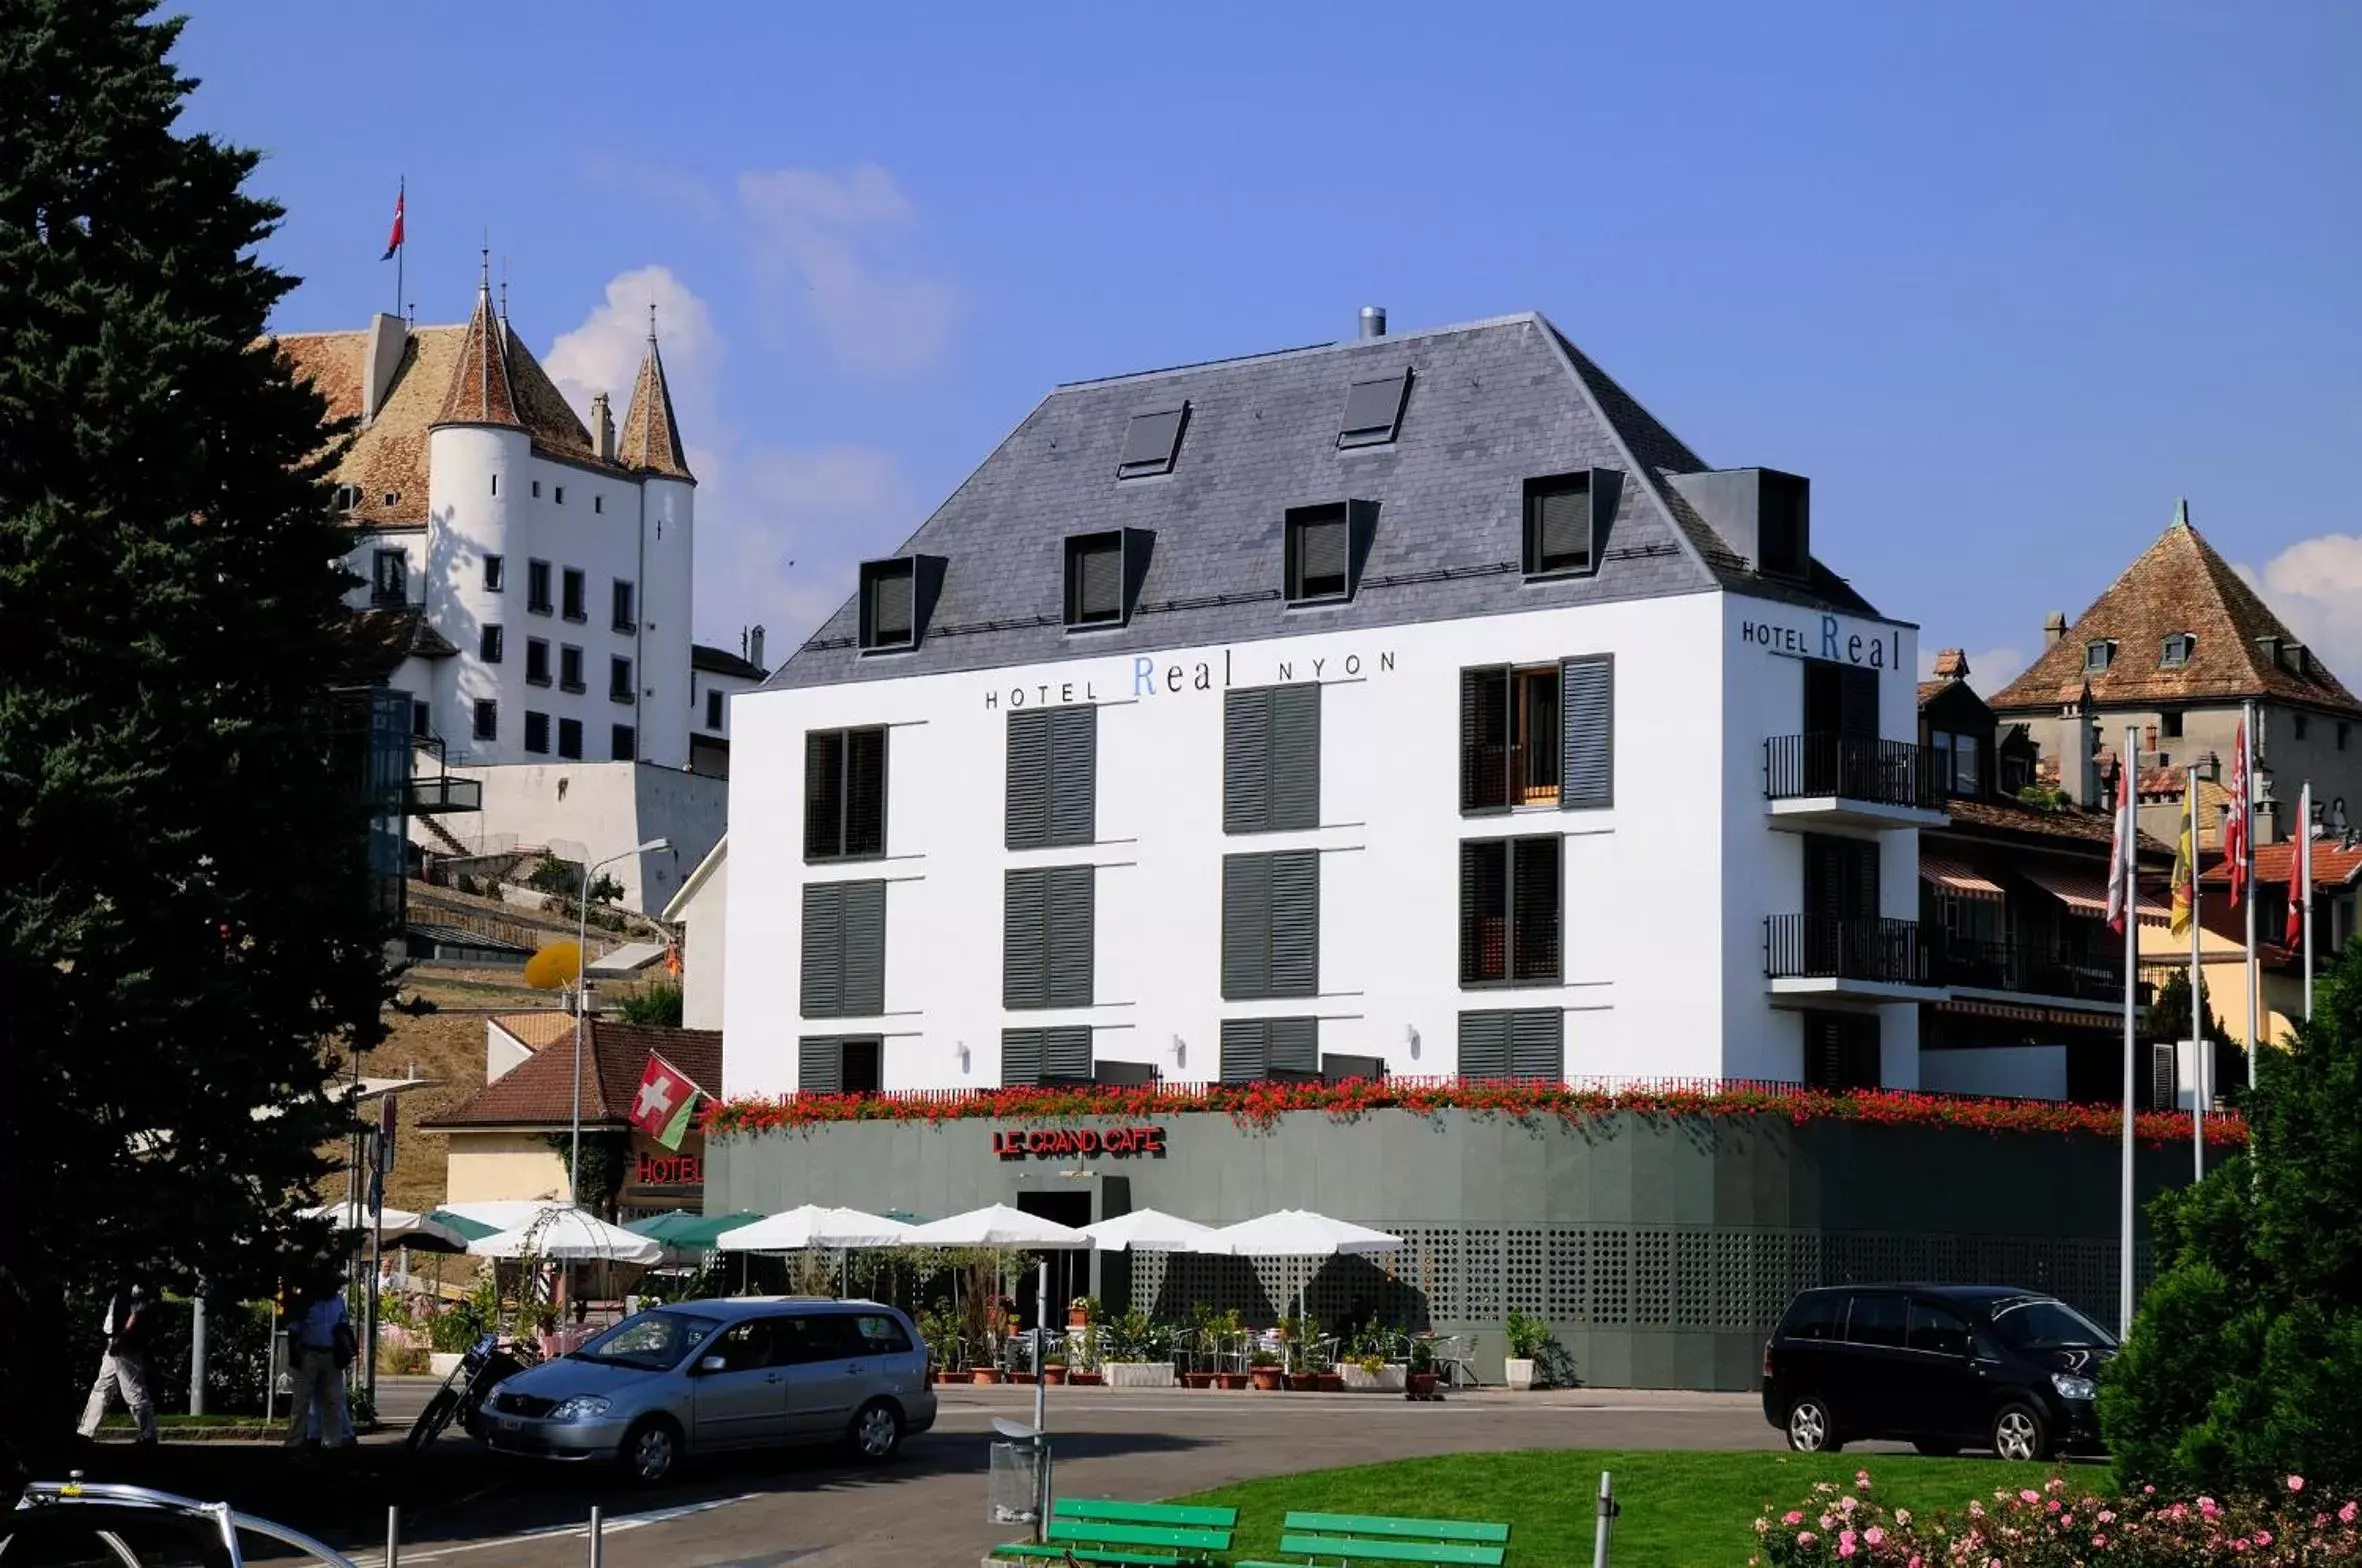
(1491, 404)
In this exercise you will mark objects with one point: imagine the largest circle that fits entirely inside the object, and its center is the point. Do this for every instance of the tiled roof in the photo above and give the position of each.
(1489, 406)
(538, 1028)
(379, 640)
(2334, 864)
(2179, 585)
(1928, 689)
(2016, 820)
(721, 661)
(389, 457)
(651, 438)
(480, 392)
(540, 1092)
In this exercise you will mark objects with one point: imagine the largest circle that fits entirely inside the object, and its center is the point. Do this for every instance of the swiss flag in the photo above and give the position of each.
(393, 241)
(662, 1104)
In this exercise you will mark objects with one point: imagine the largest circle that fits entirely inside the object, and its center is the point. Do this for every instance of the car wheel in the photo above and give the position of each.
(1934, 1449)
(876, 1432)
(2019, 1433)
(1811, 1430)
(650, 1450)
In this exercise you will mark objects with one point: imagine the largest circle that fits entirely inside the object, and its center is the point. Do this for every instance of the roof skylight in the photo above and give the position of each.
(1373, 410)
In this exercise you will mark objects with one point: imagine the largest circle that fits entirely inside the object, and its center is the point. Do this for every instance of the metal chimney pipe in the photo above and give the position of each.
(1373, 321)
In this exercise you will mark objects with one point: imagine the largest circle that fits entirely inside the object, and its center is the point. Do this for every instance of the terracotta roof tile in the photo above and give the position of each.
(651, 437)
(378, 641)
(2334, 865)
(480, 392)
(389, 456)
(2016, 819)
(540, 1092)
(2179, 585)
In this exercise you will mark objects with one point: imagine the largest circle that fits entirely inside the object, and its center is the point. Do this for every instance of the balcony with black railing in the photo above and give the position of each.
(1855, 780)
(1862, 957)
(2056, 971)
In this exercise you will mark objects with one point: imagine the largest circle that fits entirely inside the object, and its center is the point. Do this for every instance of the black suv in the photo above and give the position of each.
(1942, 1367)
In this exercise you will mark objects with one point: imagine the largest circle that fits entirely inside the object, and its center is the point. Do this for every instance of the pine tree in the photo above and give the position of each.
(187, 935)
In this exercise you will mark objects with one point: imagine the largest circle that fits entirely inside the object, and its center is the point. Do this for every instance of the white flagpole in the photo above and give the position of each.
(2304, 853)
(2199, 1049)
(2245, 806)
(2127, 842)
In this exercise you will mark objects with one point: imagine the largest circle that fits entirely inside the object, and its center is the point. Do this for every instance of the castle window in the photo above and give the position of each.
(2097, 655)
(2178, 649)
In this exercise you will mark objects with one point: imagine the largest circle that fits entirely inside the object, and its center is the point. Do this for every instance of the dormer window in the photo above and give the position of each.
(1152, 441)
(1319, 554)
(1103, 573)
(348, 497)
(1373, 410)
(1783, 525)
(2178, 649)
(1566, 522)
(2097, 656)
(889, 603)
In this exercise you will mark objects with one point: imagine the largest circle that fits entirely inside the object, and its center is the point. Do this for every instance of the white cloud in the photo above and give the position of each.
(603, 354)
(2316, 587)
(828, 252)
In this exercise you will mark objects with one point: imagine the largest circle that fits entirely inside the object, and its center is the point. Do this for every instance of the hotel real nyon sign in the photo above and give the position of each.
(1829, 638)
(1155, 677)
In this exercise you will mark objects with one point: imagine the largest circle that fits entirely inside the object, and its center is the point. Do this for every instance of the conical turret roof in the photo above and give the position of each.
(482, 392)
(651, 436)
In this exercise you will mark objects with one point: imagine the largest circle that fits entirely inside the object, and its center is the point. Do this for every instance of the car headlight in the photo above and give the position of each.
(581, 1408)
(2072, 1387)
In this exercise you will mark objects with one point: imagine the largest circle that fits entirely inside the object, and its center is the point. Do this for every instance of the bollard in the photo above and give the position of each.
(598, 1537)
(393, 1537)
(1608, 1510)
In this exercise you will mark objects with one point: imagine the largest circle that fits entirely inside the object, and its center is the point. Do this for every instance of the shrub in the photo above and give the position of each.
(654, 1006)
(1527, 1335)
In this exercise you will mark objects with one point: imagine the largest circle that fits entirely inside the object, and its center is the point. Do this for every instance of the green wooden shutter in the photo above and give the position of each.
(1071, 812)
(1294, 1046)
(1484, 911)
(1021, 1056)
(819, 1064)
(1246, 927)
(1029, 780)
(1484, 1045)
(1295, 923)
(1484, 739)
(824, 951)
(1025, 977)
(1587, 693)
(1069, 926)
(1294, 753)
(1534, 906)
(863, 968)
(1246, 760)
(824, 787)
(1246, 1050)
(1537, 1045)
(865, 791)
(1066, 1053)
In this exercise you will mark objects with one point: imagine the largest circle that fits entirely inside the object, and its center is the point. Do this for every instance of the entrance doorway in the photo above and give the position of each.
(1070, 1272)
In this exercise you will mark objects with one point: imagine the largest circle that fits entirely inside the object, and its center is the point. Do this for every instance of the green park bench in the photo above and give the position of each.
(1098, 1530)
(1359, 1538)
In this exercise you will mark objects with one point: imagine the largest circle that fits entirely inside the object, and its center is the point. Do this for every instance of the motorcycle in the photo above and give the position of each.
(488, 1363)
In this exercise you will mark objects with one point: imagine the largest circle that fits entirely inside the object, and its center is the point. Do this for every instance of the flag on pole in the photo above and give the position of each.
(2300, 889)
(393, 241)
(2120, 856)
(2185, 869)
(2237, 827)
(665, 1100)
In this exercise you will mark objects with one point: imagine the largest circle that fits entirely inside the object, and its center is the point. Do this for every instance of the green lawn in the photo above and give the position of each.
(1680, 1510)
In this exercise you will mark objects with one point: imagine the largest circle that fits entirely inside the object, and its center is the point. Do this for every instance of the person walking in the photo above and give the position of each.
(130, 1329)
(319, 1347)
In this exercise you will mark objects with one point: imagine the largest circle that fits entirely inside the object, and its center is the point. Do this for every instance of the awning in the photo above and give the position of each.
(1955, 877)
(2082, 889)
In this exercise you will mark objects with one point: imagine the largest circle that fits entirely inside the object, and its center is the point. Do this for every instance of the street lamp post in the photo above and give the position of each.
(581, 995)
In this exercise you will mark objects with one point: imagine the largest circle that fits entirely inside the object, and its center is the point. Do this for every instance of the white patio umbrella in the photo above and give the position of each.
(814, 1225)
(402, 1227)
(559, 1233)
(1000, 1227)
(1147, 1230)
(1297, 1234)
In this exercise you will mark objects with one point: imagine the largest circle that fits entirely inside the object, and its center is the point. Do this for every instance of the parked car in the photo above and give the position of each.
(91, 1524)
(704, 1376)
(1942, 1367)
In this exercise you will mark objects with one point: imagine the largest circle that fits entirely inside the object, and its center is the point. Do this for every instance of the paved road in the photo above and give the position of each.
(928, 1507)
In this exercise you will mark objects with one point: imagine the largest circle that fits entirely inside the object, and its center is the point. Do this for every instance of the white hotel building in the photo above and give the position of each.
(1414, 704)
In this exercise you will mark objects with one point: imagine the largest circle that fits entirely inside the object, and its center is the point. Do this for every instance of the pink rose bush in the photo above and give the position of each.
(2062, 1526)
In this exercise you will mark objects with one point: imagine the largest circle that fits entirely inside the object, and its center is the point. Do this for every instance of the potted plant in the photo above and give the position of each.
(1527, 1335)
(1082, 1312)
(1264, 1369)
(1083, 1369)
(1419, 1381)
(984, 1374)
(1139, 1352)
(1054, 1374)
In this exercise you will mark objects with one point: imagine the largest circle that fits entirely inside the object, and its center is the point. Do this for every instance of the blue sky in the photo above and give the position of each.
(2003, 279)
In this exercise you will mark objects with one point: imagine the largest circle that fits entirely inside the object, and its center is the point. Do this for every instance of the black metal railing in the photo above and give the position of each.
(1843, 947)
(1501, 776)
(1847, 767)
(2038, 969)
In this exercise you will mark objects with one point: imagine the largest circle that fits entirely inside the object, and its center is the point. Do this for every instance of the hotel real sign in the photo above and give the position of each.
(1150, 677)
(1831, 638)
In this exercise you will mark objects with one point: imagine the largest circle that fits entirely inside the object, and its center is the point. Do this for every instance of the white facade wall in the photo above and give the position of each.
(1664, 893)
(590, 810)
(704, 956)
(667, 560)
(2024, 1072)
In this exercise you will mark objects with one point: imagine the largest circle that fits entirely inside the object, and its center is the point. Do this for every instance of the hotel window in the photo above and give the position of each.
(844, 793)
(574, 609)
(1060, 1055)
(713, 711)
(489, 647)
(1151, 441)
(621, 596)
(487, 719)
(841, 1064)
(1095, 580)
(570, 739)
(422, 719)
(619, 679)
(2178, 649)
(1539, 735)
(389, 581)
(623, 743)
(495, 574)
(1319, 555)
(1053, 777)
(1509, 911)
(1271, 758)
(536, 661)
(889, 604)
(1841, 1050)
(1256, 1050)
(537, 733)
(1527, 1043)
(844, 952)
(537, 587)
(2169, 724)
(1373, 410)
(1565, 520)
(2097, 655)
(1049, 921)
(1270, 925)
(570, 668)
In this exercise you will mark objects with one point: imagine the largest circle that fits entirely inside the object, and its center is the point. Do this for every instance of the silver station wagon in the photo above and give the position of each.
(704, 1376)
